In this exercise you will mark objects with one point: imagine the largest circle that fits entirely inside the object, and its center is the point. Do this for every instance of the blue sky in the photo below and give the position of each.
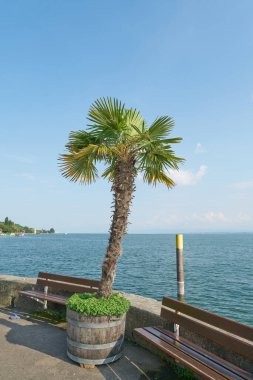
(189, 59)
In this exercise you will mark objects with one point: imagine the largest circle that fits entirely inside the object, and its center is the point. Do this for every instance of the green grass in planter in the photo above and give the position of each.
(87, 304)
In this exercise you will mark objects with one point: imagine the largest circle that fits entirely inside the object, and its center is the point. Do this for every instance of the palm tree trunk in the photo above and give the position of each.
(123, 188)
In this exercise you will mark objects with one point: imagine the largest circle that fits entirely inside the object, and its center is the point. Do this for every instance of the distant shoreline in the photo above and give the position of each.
(136, 233)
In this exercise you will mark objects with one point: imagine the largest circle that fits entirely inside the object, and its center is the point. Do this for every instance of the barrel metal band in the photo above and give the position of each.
(94, 325)
(94, 362)
(95, 346)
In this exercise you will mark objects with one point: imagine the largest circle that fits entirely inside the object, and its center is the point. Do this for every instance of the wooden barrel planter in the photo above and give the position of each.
(94, 340)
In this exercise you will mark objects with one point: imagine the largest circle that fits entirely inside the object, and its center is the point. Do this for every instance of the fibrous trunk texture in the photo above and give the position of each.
(123, 188)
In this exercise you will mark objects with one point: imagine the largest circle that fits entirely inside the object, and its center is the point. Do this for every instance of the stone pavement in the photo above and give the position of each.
(36, 350)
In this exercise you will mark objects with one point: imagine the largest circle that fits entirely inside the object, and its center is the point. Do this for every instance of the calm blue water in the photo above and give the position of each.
(218, 267)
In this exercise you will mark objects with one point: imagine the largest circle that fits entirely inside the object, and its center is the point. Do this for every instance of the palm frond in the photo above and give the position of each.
(158, 176)
(110, 121)
(155, 159)
(80, 139)
(134, 121)
(80, 169)
(106, 115)
(109, 172)
(161, 127)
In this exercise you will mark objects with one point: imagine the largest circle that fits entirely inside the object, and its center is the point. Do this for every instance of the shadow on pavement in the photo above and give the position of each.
(38, 336)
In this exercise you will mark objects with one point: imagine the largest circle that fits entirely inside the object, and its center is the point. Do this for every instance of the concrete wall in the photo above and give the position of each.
(9, 287)
(143, 312)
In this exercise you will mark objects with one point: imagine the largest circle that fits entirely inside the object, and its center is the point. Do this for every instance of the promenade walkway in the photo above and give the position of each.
(32, 349)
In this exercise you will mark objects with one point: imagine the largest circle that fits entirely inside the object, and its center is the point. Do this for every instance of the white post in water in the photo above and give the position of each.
(180, 266)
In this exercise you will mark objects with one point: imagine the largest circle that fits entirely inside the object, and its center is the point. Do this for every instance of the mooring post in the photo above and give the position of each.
(180, 274)
(180, 267)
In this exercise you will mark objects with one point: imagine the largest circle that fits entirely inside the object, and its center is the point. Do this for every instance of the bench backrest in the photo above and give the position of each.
(235, 336)
(67, 283)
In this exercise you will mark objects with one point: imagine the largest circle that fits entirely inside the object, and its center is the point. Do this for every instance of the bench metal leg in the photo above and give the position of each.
(36, 299)
(45, 292)
(176, 327)
(176, 330)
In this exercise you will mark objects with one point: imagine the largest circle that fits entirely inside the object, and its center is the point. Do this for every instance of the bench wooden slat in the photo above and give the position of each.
(195, 365)
(223, 323)
(42, 296)
(67, 287)
(218, 336)
(69, 279)
(200, 353)
(63, 283)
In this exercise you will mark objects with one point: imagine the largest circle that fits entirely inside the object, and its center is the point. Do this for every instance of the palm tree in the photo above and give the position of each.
(120, 138)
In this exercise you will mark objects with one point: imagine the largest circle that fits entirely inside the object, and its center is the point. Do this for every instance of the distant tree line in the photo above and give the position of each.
(8, 227)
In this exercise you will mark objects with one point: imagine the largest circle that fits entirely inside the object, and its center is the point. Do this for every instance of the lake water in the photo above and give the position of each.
(218, 267)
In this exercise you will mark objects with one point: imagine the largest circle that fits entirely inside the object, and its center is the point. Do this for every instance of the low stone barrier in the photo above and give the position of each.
(143, 312)
(9, 287)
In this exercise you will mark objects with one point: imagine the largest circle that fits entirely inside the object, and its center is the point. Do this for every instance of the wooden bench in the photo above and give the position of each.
(62, 283)
(233, 336)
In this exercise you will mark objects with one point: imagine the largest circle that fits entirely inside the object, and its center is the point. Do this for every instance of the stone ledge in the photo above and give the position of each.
(9, 287)
(143, 312)
(16, 279)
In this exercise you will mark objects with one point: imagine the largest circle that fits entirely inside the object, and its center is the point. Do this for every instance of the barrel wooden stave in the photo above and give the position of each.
(94, 340)
(90, 355)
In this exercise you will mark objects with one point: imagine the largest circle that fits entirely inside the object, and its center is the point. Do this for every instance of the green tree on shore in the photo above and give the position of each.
(122, 140)
(8, 222)
(8, 227)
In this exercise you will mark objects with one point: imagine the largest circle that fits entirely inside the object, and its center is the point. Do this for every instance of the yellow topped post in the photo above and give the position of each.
(179, 241)
(180, 266)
